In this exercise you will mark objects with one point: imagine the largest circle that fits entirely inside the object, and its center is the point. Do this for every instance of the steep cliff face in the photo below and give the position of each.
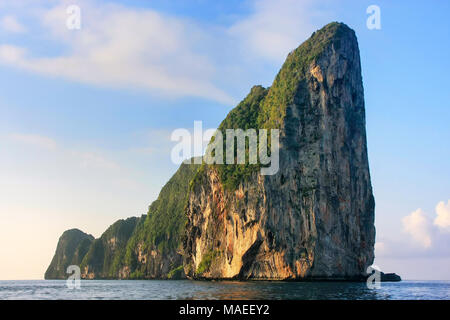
(313, 219)
(72, 247)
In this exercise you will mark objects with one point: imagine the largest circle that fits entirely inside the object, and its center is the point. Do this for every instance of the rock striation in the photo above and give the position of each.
(314, 219)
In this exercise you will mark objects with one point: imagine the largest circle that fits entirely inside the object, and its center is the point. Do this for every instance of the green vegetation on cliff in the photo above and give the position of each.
(106, 253)
(292, 225)
(134, 248)
(244, 116)
(207, 260)
(266, 108)
(166, 219)
(290, 77)
(162, 229)
(149, 246)
(72, 247)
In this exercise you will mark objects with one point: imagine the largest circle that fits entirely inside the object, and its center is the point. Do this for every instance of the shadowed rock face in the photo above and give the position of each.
(106, 254)
(135, 248)
(72, 247)
(314, 219)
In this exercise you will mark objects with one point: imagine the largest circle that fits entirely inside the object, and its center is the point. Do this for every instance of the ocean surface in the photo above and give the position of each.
(185, 289)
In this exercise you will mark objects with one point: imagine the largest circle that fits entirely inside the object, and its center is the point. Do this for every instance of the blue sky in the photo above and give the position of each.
(86, 115)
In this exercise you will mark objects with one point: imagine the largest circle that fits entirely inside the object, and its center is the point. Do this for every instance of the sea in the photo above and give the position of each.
(201, 290)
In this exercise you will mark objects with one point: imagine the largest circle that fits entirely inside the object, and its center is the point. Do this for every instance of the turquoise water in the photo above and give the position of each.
(185, 289)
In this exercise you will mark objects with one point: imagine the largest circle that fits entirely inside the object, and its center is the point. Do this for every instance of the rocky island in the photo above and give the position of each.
(312, 220)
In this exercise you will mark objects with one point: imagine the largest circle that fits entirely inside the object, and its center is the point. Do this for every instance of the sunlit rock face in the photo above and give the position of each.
(314, 218)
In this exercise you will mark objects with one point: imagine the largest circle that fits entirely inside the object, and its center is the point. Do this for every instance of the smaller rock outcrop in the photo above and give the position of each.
(147, 247)
(71, 249)
(105, 254)
(390, 277)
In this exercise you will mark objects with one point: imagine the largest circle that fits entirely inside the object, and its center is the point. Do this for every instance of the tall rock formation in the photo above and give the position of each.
(314, 219)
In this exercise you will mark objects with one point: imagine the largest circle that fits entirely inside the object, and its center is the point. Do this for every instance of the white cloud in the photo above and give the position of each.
(380, 248)
(94, 160)
(123, 47)
(126, 47)
(82, 159)
(11, 54)
(10, 24)
(35, 140)
(442, 219)
(57, 186)
(275, 27)
(417, 225)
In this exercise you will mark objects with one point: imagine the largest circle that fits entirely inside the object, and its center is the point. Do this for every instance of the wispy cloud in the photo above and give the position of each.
(123, 47)
(11, 24)
(34, 140)
(10, 54)
(94, 160)
(126, 47)
(78, 158)
(274, 28)
(381, 249)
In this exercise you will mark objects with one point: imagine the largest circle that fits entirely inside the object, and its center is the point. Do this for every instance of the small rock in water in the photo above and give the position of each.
(390, 277)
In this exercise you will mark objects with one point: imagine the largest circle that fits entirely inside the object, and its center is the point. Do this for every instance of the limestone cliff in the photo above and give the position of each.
(72, 247)
(313, 219)
(106, 254)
